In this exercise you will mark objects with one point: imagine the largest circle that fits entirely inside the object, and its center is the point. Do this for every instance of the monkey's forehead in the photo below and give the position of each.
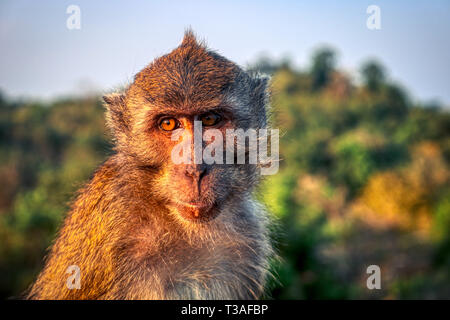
(189, 74)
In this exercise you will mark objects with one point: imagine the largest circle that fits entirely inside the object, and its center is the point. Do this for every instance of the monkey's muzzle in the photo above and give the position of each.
(197, 212)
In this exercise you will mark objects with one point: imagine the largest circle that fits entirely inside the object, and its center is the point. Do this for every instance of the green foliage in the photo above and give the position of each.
(334, 143)
(353, 165)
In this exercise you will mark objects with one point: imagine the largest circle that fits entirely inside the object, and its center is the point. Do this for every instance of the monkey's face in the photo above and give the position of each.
(193, 177)
(155, 123)
(188, 149)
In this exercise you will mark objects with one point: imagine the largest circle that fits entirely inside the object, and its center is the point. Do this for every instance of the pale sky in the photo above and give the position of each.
(41, 58)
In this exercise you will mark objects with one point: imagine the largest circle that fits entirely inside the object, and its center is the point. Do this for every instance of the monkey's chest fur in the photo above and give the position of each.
(126, 251)
(217, 260)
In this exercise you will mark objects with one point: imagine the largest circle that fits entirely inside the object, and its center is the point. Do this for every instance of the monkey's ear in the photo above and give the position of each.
(117, 116)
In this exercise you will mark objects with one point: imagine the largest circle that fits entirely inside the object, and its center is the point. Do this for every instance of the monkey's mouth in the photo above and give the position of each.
(193, 204)
(197, 211)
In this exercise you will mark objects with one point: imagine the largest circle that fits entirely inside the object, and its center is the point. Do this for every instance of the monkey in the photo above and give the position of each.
(146, 228)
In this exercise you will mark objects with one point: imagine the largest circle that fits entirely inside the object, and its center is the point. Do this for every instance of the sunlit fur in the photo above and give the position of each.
(122, 233)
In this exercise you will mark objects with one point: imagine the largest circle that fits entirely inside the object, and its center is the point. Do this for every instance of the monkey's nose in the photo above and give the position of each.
(196, 172)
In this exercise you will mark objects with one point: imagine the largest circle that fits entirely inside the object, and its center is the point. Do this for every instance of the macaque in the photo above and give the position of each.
(149, 227)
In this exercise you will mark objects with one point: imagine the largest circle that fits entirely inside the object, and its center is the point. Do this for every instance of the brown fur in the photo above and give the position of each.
(123, 231)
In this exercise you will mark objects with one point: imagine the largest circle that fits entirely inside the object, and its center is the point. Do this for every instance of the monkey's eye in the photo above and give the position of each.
(168, 124)
(210, 119)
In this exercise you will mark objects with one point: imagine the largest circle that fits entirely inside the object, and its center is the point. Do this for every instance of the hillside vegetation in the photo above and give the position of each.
(363, 180)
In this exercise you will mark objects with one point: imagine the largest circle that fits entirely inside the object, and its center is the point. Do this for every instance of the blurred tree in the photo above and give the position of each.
(323, 65)
(374, 75)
